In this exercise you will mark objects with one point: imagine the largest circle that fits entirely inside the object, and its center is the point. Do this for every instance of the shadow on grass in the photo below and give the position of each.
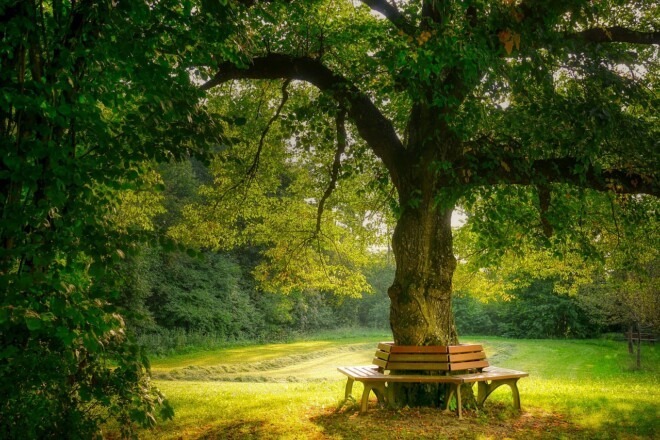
(246, 430)
(495, 422)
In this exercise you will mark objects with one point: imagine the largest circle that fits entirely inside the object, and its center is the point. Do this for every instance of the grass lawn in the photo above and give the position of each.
(576, 389)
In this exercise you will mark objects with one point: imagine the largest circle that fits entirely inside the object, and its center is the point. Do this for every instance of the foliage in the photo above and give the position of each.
(607, 262)
(91, 91)
(201, 294)
(268, 192)
(533, 312)
(212, 298)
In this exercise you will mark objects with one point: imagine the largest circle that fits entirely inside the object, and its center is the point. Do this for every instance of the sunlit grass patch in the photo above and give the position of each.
(245, 410)
(576, 389)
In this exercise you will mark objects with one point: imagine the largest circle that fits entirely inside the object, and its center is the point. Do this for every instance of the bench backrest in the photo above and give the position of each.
(438, 358)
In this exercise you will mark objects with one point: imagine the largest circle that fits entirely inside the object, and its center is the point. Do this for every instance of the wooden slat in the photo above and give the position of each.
(418, 349)
(369, 372)
(462, 357)
(380, 362)
(465, 348)
(360, 373)
(440, 366)
(418, 357)
(382, 355)
(467, 365)
(418, 378)
(385, 346)
(492, 373)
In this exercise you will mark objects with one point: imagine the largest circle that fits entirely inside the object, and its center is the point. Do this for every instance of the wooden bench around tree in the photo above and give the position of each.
(454, 365)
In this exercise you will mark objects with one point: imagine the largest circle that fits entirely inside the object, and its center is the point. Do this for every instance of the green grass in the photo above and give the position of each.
(576, 389)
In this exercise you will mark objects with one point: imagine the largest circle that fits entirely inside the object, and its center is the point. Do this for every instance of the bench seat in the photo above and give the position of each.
(453, 365)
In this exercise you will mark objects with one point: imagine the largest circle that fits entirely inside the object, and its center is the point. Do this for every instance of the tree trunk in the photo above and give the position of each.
(420, 311)
(639, 347)
(630, 339)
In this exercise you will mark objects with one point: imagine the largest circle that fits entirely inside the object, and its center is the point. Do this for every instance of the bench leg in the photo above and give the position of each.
(379, 390)
(485, 389)
(349, 389)
(516, 395)
(365, 398)
(454, 390)
(381, 393)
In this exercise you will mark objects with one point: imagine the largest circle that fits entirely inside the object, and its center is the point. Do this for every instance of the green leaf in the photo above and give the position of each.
(33, 321)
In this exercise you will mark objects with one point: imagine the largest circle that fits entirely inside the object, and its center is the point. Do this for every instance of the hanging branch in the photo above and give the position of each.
(252, 171)
(376, 129)
(616, 34)
(340, 121)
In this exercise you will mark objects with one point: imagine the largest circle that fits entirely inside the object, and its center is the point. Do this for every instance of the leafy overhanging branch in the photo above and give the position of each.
(251, 172)
(372, 125)
(535, 11)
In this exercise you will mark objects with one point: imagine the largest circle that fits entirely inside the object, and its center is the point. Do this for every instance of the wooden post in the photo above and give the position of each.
(639, 346)
(630, 339)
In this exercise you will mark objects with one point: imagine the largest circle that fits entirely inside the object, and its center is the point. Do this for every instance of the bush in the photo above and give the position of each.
(532, 312)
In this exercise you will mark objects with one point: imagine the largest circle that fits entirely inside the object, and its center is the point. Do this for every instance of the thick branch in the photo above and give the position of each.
(617, 34)
(373, 127)
(618, 181)
(510, 170)
(393, 14)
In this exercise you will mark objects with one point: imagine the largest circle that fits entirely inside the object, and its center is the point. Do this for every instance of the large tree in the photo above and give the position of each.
(461, 101)
(487, 105)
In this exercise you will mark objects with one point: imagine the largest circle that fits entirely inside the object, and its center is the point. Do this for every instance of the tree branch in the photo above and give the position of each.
(616, 34)
(432, 10)
(255, 163)
(250, 3)
(393, 14)
(251, 173)
(512, 170)
(336, 165)
(545, 198)
(372, 126)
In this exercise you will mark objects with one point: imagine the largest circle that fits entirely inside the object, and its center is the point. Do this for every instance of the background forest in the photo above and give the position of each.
(178, 297)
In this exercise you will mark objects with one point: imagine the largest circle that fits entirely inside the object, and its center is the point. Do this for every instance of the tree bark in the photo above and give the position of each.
(420, 312)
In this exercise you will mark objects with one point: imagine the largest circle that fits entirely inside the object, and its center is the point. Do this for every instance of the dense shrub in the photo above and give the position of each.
(531, 312)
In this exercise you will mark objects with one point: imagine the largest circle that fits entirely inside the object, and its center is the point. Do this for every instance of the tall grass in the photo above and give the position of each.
(178, 341)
